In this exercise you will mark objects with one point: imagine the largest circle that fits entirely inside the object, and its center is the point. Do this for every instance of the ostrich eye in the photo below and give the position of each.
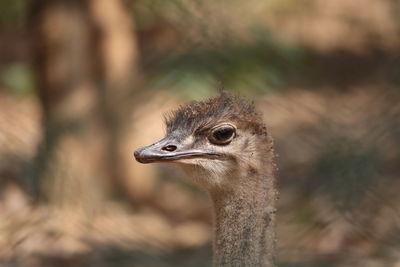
(222, 135)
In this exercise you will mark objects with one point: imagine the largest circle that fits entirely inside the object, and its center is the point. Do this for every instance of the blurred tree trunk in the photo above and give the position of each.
(117, 75)
(85, 61)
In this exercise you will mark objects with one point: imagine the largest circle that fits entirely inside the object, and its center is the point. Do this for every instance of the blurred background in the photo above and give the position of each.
(83, 83)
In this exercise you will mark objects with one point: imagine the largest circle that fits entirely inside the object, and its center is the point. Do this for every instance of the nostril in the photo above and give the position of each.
(169, 148)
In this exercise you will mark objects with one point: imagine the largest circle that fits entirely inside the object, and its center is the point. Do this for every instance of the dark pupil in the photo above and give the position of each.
(223, 134)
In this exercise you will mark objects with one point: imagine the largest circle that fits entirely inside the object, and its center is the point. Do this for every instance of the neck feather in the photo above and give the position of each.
(245, 218)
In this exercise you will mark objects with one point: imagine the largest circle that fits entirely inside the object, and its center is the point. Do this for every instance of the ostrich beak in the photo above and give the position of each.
(169, 149)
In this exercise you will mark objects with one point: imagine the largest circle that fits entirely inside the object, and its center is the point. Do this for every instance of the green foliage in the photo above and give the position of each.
(18, 78)
(212, 54)
(13, 11)
(260, 67)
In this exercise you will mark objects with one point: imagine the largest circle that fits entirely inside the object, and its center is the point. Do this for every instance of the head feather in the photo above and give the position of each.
(223, 108)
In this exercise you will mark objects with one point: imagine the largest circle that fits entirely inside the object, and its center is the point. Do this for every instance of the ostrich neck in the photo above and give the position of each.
(245, 221)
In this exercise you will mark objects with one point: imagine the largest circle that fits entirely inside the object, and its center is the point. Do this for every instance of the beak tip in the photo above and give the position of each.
(137, 156)
(142, 155)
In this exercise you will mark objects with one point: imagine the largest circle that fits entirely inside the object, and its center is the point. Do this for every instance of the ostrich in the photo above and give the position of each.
(223, 146)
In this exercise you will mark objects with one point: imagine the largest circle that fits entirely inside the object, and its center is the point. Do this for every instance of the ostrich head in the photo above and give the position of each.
(217, 141)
